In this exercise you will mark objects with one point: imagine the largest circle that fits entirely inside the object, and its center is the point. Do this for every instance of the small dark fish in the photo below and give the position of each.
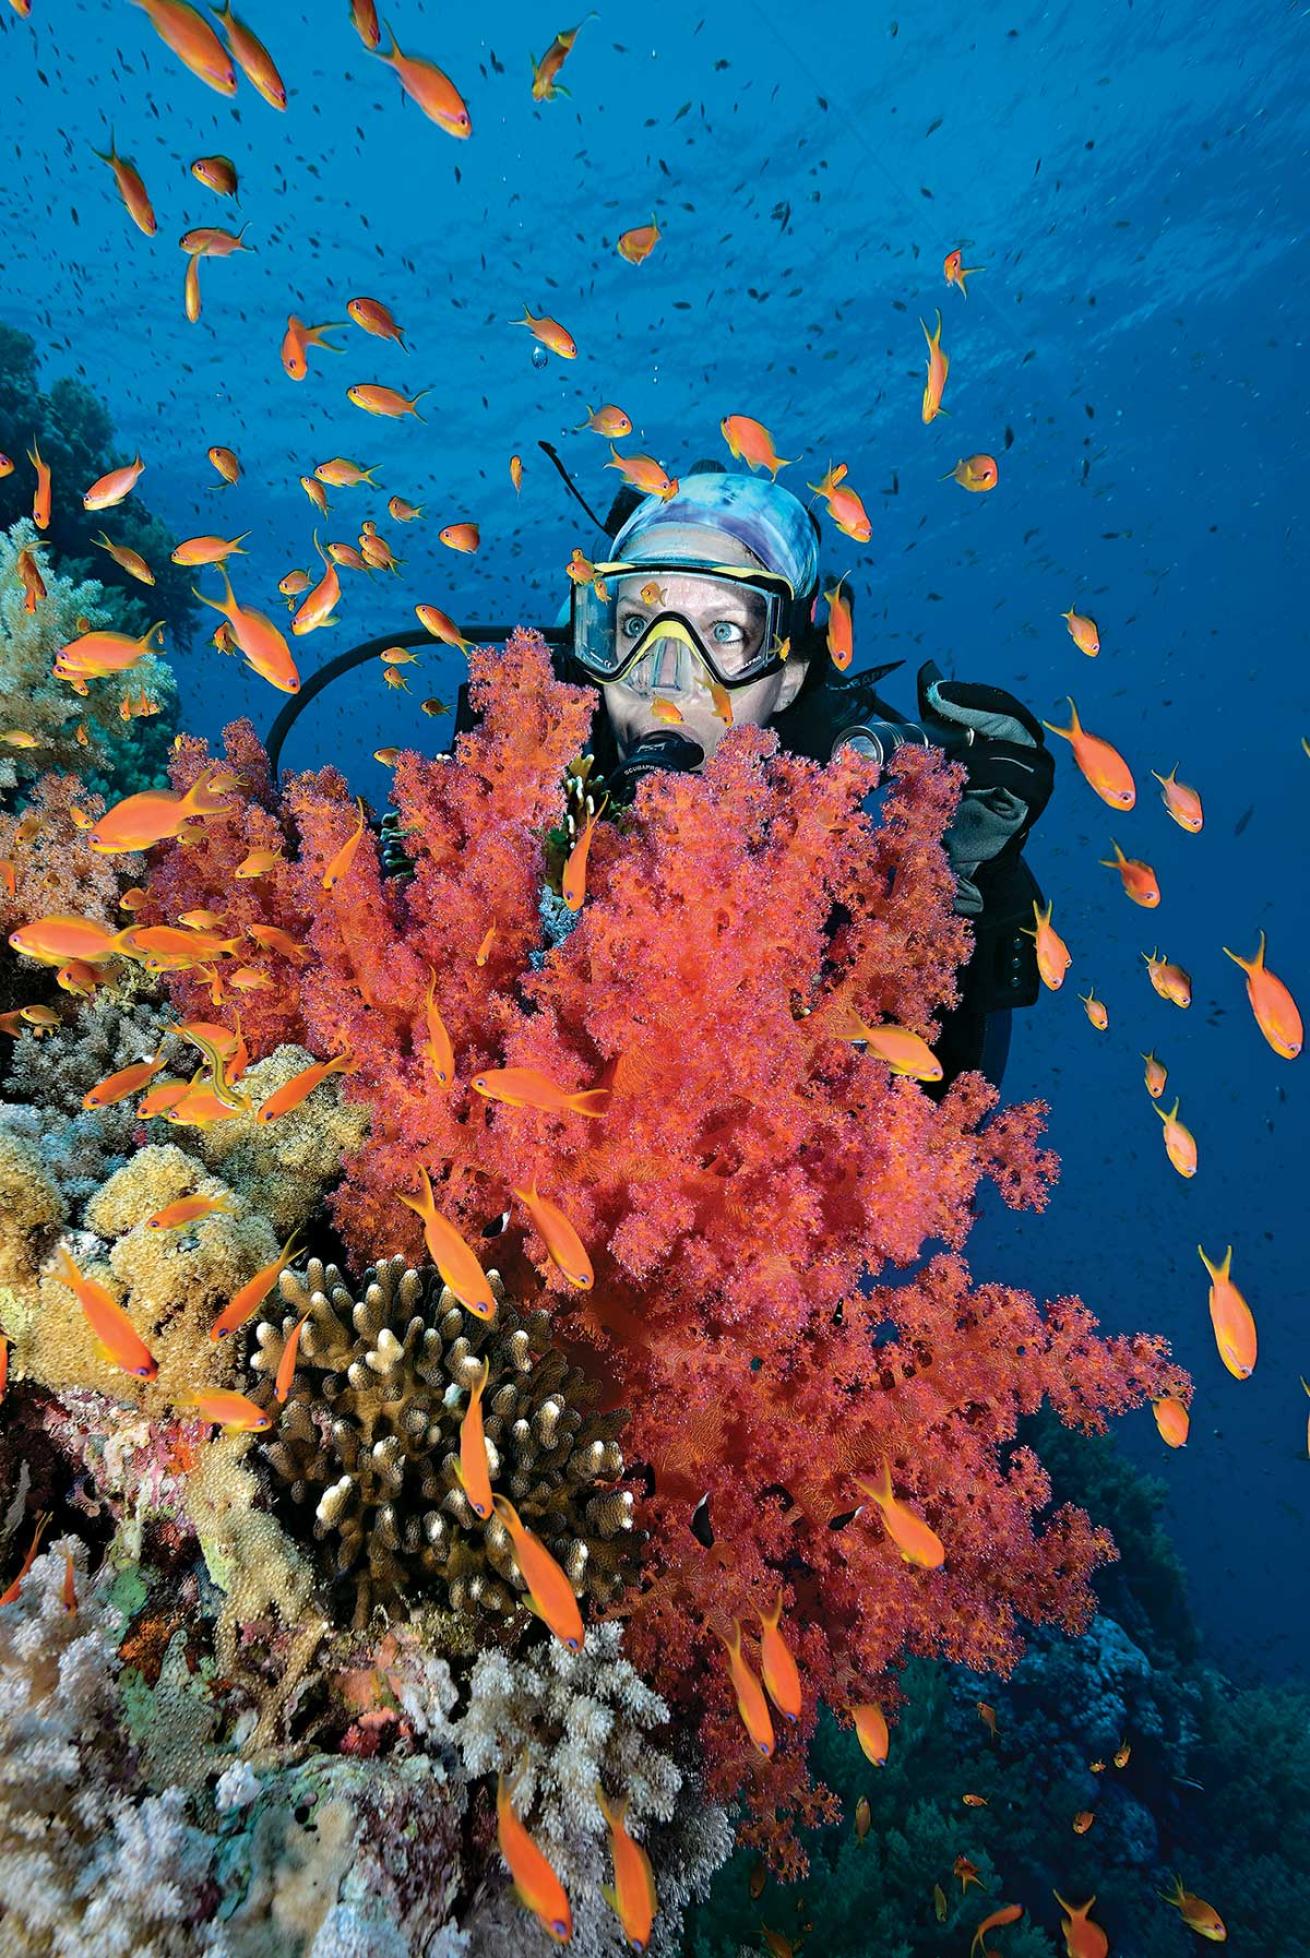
(924, 191)
(701, 1527)
(840, 1522)
(1243, 820)
(1009, 438)
(935, 124)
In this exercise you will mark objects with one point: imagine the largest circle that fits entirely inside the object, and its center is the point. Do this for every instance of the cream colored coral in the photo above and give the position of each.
(283, 1167)
(30, 1208)
(171, 1283)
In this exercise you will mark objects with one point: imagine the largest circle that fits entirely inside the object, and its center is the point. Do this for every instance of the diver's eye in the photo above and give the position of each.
(726, 632)
(632, 627)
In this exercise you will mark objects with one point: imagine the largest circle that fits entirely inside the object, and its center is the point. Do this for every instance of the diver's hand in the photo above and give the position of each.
(663, 748)
(1011, 774)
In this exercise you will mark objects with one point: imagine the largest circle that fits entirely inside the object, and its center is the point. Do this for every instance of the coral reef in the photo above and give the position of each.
(55, 869)
(749, 1191)
(98, 733)
(370, 1438)
(570, 1721)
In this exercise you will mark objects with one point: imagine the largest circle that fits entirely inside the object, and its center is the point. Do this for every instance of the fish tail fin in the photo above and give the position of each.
(772, 1619)
(414, 405)
(591, 1101)
(614, 1812)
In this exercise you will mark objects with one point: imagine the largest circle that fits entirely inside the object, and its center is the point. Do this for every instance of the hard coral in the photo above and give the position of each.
(370, 1437)
(282, 1168)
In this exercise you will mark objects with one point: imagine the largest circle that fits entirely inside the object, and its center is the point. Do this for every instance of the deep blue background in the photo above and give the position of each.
(1133, 179)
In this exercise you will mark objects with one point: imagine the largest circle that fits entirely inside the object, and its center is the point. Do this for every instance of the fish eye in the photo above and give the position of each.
(559, 1927)
(574, 1644)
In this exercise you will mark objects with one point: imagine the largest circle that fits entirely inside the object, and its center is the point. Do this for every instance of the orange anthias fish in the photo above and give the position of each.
(1156, 1076)
(264, 648)
(750, 442)
(841, 626)
(916, 1541)
(213, 241)
(567, 1251)
(637, 244)
(645, 474)
(252, 1294)
(95, 654)
(455, 1261)
(1103, 767)
(975, 473)
(1169, 980)
(1231, 1318)
(1082, 1938)
(550, 333)
(1172, 1419)
(301, 1086)
(377, 319)
(226, 463)
(253, 58)
(41, 495)
(903, 1051)
(987, 1714)
(258, 863)
(528, 1087)
(193, 41)
(437, 1047)
(114, 486)
(274, 939)
(434, 92)
(188, 1210)
(845, 507)
(545, 87)
(317, 607)
(472, 1469)
(1083, 632)
(632, 1895)
(483, 952)
(609, 421)
(460, 536)
(550, 1595)
(939, 366)
(1196, 1913)
(364, 19)
(1083, 1821)
(152, 816)
(286, 1366)
(975, 1801)
(1183, 804)
(191, 289)
(118, 1339)
(56, 939)
(1096, 1009)
(955, 271)
(751, 1703)
(10, 1595)
(29, 572)
(120, 1085)
(863, 1818)
(1007, 1914)
(1136, 878)
(782, 1682)
(573, 885)
(345, 856)
(216, 173)
(535, 1882)
(1179, 1142)
(435, 621)
(127, 559)
(1275, 1010)
(131, 188)
(237, 1413)
(375, 399)
(1123, 1754)
(298, 339)
(871, 1732)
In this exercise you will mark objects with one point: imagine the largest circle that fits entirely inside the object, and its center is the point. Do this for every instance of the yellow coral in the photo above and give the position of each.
(172, 1285)
(30, 1206)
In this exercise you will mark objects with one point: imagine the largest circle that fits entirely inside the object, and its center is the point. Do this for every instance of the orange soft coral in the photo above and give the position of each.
(748, 1196)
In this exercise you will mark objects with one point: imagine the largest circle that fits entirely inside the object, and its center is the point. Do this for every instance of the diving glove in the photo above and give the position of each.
(1011, 775)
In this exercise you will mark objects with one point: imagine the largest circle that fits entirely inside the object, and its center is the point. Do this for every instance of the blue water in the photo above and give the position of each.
(1133, 180)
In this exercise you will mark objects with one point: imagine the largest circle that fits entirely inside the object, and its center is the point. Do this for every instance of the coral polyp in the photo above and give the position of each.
(367, 1445)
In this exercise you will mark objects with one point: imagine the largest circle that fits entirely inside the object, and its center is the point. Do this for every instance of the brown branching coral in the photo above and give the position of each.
(370, 1438)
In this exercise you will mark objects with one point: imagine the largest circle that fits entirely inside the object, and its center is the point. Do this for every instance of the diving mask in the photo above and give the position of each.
(650, 624)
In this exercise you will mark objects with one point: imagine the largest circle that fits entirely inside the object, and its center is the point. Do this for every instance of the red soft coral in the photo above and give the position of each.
(750, 1191)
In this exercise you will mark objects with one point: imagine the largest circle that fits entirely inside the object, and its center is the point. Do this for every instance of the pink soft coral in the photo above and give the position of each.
(751, 1189)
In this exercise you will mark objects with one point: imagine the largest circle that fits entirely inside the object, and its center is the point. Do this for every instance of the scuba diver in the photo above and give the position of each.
(707, 603)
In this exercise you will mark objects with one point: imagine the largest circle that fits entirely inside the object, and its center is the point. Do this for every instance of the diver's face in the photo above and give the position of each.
(725, 619)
